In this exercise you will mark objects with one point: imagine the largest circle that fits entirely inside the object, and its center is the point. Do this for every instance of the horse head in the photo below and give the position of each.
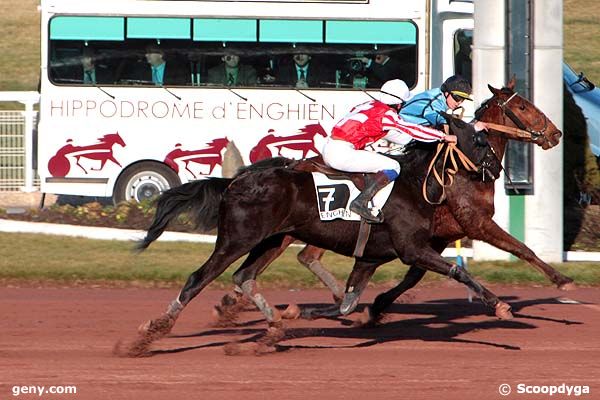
(475, 146)
(314, 130)
(112, 138)
(219, 143)
(511, 109)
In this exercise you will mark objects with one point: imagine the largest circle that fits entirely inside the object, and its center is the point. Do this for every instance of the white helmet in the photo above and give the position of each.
(394, 92)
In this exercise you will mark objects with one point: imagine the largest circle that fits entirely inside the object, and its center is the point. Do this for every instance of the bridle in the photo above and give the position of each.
(522, 130)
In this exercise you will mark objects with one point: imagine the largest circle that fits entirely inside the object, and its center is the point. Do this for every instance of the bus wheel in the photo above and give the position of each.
(143, 181)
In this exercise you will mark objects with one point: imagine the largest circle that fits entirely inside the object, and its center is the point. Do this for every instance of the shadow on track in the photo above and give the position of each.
(432, 321)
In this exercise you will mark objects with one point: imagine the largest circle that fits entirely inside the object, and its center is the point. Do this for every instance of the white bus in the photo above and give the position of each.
(129, 131)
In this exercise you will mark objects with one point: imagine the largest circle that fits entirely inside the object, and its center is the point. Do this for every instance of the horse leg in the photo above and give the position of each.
(411, 278)
(385, 299)
(227, 250)
(357, 281)
(362, 271)
(491, 233)
(431, 260)
(258, 260)
(310, 257)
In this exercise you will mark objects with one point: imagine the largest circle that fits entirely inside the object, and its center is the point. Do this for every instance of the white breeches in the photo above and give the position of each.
(342, 155)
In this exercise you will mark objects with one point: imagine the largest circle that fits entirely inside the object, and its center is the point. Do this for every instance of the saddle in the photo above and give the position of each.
(316, 164)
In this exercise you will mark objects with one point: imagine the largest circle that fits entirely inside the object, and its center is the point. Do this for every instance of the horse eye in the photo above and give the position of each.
(522, 107)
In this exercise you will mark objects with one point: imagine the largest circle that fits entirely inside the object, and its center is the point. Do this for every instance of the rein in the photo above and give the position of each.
(450, 154)
(516, 132)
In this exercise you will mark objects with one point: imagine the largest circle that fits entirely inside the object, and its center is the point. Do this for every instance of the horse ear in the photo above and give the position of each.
(512, 83)
(492, 89)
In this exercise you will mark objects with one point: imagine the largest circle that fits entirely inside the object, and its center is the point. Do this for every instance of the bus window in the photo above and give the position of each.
(215, 52)
(463, 40)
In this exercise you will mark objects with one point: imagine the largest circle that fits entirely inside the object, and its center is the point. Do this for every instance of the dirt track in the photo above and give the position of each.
(437, 346)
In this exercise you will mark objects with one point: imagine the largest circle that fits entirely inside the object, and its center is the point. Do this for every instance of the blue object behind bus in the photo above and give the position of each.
(587, 97)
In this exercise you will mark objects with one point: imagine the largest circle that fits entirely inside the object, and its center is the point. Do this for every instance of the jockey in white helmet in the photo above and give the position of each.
(365, 124)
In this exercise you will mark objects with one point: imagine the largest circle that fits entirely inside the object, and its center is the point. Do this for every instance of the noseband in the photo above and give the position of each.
(536, 134)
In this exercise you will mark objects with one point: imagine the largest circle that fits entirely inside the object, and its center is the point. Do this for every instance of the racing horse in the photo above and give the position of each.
(467, 211)
(262, 206)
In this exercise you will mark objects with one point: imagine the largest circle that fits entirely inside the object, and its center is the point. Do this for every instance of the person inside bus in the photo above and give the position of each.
(366, 124)
(303, 73)
(156, 69)
(423, 109)
(232, 73)
(88, 70)
(381, 68)
(463, 64)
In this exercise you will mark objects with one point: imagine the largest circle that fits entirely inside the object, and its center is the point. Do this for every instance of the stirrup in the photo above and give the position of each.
(366, 214)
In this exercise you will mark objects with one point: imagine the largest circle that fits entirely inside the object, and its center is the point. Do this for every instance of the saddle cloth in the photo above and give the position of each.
(335, 195)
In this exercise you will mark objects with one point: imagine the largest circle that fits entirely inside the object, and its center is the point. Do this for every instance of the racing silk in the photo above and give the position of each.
(374, 120)
(422, 109)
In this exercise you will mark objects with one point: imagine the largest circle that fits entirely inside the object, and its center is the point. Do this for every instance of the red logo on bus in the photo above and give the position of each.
(59, 165)
(210, 156)
(271, 145)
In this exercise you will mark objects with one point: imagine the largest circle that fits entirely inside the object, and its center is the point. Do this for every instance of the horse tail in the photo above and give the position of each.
(200, 199)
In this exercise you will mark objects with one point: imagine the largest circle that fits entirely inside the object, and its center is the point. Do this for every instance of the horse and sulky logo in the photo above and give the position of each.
(271, 145)
(59, 165)
(210, 156)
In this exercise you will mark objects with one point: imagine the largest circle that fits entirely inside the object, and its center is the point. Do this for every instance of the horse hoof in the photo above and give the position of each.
(275, 334)
(503, 311)
(567, 286)
(349, 303)
(291, 312)
(229, 300)
(143, 328)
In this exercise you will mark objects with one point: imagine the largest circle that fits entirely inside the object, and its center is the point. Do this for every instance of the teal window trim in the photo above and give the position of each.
(291, 31)
(371, 32)
(225, 30)
(87, 28)
(516, 221)
(158, 28)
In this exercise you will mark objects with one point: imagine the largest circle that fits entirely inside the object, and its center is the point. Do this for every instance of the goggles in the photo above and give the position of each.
(459, 96)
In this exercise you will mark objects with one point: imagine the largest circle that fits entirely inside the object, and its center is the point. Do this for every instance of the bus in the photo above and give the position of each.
(139, 96)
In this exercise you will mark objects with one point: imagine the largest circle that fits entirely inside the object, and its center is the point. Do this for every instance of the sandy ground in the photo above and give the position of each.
(436, 345)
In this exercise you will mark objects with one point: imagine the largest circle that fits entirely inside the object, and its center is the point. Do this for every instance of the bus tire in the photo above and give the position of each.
(143, 181)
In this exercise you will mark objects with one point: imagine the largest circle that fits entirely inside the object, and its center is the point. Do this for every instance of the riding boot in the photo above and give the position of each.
(360, 204)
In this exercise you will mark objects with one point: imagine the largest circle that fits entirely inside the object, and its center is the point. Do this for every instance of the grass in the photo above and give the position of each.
(20, 45)
(581, 24)
(76, 260)
(20, 21)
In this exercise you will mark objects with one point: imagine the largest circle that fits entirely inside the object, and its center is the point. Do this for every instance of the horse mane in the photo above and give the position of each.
(267, 163)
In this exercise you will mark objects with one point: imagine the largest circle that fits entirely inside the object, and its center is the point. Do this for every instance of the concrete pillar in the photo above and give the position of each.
(489, 68)
(544, 209)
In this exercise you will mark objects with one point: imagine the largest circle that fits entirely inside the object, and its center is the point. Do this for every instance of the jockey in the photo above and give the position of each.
(423, 108)
(365, 124)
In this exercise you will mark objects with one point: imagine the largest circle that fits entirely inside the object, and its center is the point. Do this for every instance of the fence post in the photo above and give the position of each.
(29, 128)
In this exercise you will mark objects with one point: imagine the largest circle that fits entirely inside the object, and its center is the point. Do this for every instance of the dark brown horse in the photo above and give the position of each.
(262, 206)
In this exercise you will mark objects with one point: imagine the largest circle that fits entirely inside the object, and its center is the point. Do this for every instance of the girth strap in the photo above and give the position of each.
(364, 231)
